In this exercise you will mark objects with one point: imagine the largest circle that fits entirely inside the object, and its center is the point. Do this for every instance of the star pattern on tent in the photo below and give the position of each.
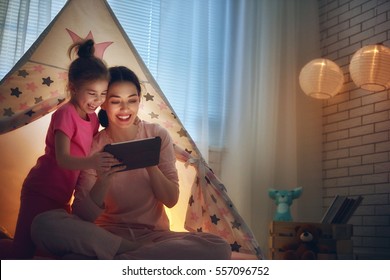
(235, 246)
(30, 113)
(62, 76)
(22, 73)
(149, 97)
(60, 101)
(54, 93)
(162, 106)
(214, 219)
(47, 81)
(199, 229)
(182, 132)
(224, 233)
(15, 92)
(168, 124)
(23, 106)
(8, 112)
(188, 151)
(31, 86)
(258, 251)
(100, 48)
(153, 115)
(223, 211)
(194, 216)
(38, 68)
(191, 200)
(213, 198)
(38, 99)
(235, 224)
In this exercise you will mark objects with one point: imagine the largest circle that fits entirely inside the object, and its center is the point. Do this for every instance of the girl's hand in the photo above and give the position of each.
(103, 161)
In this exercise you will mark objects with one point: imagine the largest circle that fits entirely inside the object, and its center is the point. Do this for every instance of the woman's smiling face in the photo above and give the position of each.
(122, 104)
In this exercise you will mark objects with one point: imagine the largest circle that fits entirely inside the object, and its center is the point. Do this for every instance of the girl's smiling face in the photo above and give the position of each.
(122, 104)
(89, 96)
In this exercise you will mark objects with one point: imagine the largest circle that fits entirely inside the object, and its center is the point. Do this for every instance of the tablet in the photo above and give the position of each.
(135, 154)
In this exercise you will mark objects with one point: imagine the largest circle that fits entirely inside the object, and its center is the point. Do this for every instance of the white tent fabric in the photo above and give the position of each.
(37, 85)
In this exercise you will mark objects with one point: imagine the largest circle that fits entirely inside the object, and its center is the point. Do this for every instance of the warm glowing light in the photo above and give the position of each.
(370, 68)
(321, 78)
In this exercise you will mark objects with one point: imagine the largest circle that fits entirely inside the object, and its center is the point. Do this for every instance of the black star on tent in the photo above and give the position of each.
(47, 81)
(60, 101)
(235, 224)
(214, 219)
(16, 92)
(8, 112)
(23, 73)
(149, 97)
(188, 151)
(38, 99)
(199, 229)
(153, 115)
(191, 201)
(258, 250)
(235, 246)
(213, 198)
(182, 132)
(30, 113)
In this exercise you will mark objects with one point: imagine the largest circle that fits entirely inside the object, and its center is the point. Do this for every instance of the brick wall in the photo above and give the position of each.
(356, 123)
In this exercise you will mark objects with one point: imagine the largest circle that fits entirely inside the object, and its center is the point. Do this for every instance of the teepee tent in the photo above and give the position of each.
(36, 86)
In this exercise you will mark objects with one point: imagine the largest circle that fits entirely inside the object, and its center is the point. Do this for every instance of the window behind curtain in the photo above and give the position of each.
(183, 51)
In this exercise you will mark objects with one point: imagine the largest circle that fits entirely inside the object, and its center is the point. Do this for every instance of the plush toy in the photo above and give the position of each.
(283, 200)
(305, 246)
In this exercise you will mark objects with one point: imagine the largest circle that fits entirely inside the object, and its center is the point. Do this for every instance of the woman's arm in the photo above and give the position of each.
(164, 189)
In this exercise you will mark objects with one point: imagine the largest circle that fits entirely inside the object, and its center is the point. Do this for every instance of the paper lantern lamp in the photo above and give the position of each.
(321, 78)
(370, 68)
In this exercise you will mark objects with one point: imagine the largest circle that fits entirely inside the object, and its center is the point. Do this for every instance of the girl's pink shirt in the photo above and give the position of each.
(130, 201)
(46, 177)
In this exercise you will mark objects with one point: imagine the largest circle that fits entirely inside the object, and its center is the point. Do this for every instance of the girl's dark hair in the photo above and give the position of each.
(119, 74)
(86, 67)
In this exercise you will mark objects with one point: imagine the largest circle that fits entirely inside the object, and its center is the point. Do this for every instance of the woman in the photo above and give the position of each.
(126, 205)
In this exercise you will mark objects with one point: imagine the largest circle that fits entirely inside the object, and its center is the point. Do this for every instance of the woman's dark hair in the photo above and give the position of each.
(87, 67)
(119, 74)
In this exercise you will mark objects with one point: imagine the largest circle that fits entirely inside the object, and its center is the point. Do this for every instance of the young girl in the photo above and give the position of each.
(114, 207)
(50, 183)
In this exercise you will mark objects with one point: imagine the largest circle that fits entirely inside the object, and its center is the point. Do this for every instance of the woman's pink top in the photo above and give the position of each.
(130, 201)
(46, 177)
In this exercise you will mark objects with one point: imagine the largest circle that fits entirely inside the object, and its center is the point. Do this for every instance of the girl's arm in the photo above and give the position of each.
(164, 189)
(97, 161)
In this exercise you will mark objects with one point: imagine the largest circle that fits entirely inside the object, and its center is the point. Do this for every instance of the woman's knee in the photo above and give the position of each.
(45, 222)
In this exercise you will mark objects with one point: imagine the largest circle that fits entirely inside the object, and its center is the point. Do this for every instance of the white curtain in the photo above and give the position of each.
(269, 118)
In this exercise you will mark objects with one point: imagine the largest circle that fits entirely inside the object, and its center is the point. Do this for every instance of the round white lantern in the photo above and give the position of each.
(321, 78)
(370, 68)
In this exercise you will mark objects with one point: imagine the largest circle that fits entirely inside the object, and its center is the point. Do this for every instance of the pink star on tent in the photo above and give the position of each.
(54, 93)
(38, 68)
(99, 47)
(23, 106)
(63, 75)
(31, 86)
(163, 106)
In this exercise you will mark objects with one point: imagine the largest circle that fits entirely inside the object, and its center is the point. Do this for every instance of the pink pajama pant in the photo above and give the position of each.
(22, 247)
(60, 233)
